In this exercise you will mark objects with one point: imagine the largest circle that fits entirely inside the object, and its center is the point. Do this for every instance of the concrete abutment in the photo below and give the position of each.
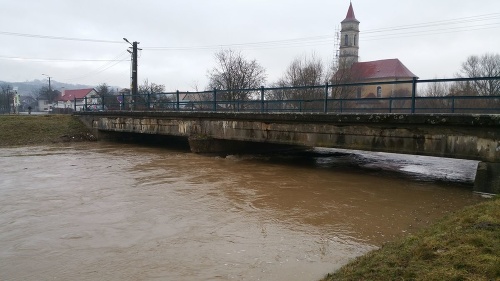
(487, 178)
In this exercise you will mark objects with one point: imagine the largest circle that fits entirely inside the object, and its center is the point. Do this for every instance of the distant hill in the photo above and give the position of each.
(29, 87)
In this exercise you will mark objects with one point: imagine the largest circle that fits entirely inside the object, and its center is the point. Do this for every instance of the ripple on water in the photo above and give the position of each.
(106, 211)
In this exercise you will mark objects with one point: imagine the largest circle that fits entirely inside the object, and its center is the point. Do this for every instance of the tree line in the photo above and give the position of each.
(233, 72)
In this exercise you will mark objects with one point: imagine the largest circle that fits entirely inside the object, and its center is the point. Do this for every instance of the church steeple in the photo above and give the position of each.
(350, 14)
(349, 39)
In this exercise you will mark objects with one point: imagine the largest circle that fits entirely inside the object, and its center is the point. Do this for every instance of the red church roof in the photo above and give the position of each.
(70, 95)
(390, 68)
(350, 15)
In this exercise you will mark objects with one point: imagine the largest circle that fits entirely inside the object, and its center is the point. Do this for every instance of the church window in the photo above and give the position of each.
(354, 41)
(346, 40)
(379, 92)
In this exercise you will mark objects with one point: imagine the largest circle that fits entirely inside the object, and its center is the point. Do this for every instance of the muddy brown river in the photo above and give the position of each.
(106, 211)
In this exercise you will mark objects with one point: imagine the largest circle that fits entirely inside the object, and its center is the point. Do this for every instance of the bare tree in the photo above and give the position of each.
(232, 73)
(44, 93)
(149, 95)
(436, 93)
(5, 98)
(342, 74)
(276, 97)
(107, 96)
(487, 65)
(102, 90)
(302, 72)
(437, 89)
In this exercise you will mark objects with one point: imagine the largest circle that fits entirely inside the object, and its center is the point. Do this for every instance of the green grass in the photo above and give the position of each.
(462, 246)
(40, 129)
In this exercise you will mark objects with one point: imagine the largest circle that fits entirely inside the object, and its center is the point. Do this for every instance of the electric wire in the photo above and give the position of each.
(319, 42)
(122, 57)
(306, 41)
(421, 29)
(431, 32)
(493, 16)
(59, 37)
(278, 43)
(53, 59)
(325, 39)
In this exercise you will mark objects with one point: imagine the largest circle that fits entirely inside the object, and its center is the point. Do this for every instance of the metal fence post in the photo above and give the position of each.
(325, 109)
(178, 101)
(215, 100)
(452, 104)
(148, 102)
(86, 107)
(413, 93)
(390, 105)
(74, 103)
(261, 98)
(123, 102)
(102, 103)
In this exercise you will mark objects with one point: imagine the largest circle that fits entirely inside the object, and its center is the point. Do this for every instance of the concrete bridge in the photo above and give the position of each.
(475, 137)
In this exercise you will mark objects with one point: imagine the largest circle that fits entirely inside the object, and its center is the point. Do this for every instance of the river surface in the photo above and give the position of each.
(107, 211)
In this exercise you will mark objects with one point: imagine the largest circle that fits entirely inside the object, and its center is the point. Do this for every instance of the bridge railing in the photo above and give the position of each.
(458, 95)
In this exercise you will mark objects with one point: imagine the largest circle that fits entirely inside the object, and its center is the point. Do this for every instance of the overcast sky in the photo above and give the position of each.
(180, 37)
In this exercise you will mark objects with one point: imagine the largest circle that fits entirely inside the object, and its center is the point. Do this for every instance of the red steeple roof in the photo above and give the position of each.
(350, 14)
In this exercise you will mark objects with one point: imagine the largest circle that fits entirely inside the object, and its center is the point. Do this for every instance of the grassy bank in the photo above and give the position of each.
(39, 129)
(462, 246)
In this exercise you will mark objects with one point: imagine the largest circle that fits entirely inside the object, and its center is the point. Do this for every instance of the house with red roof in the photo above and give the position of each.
(353, 71)
(79, 97)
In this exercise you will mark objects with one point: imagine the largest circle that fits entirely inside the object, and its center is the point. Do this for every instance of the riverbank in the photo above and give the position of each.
(462, 246)
(18, 130)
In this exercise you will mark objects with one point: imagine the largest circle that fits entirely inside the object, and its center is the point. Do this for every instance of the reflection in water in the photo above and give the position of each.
(125, 212)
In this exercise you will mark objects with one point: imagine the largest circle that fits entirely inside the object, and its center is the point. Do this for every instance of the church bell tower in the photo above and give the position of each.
(349, 39)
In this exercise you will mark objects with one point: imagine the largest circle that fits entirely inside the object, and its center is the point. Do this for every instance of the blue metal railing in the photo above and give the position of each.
(328, 98)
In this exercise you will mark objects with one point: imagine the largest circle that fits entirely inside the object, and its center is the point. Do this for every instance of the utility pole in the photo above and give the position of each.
(49, 95)
(50, 89)
(134, 66)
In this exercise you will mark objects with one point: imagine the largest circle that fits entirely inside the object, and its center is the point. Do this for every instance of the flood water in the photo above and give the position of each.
(105, 211)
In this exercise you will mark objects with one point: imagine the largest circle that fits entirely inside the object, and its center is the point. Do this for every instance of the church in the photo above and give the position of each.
(353, 71)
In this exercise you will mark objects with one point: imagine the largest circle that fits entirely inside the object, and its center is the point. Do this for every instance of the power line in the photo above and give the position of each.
(271, 43)
(431, 32)
(293, 42)
(440, 22)
(326, 39)
(53, 59)
(122, 57)
(58, 37)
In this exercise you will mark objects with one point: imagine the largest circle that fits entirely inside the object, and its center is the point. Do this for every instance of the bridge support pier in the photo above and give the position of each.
(205, 144)
(208, 145)
(487, 178)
